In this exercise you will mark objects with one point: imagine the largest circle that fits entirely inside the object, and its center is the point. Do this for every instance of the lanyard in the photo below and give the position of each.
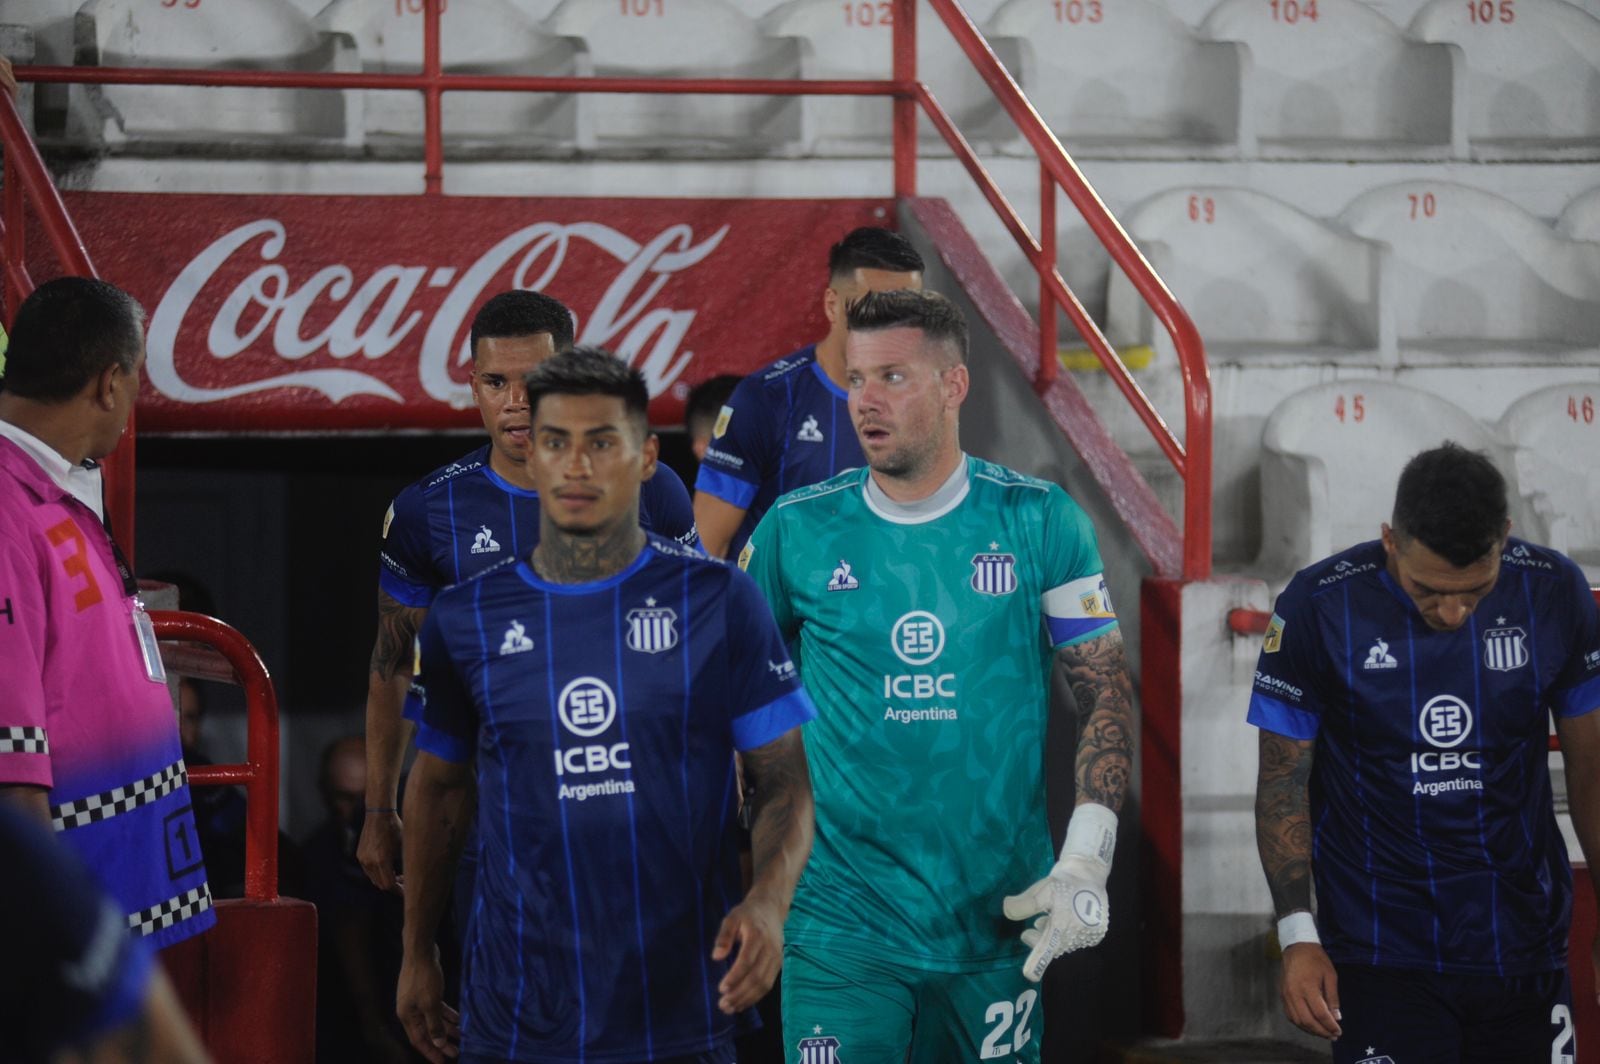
(130, 585)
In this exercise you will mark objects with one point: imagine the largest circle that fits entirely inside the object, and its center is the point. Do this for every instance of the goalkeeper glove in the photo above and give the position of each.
(1070, 902)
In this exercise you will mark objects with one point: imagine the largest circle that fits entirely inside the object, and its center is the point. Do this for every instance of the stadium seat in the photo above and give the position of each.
(1581, 219)
(1334, 77)
(1532, 69)
(1556, 434)
(1330, 457)
(1264, 281)
(1124, 76)
(853, 40)
(1474, 274)
(476, 37)
(223, 34)
(680, 39)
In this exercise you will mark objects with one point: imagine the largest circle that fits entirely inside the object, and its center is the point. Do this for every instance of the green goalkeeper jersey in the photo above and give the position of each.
(924, 635)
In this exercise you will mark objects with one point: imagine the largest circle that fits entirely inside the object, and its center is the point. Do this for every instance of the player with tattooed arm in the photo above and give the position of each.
(1405, 693)
(929, 596)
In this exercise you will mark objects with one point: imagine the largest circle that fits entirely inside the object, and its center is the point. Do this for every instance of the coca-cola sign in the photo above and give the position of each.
(319, 313)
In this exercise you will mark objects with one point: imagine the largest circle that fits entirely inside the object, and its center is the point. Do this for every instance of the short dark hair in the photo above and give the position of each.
(68, 332)
(873, 248)
(939, 319)
(591, 371)
(707, 398)
(520, 312)
(1453, 501)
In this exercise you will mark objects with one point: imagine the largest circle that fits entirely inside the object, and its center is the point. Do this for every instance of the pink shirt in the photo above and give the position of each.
(79, 713)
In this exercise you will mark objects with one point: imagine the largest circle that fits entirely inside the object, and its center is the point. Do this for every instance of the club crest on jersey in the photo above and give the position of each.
(720, 429)
(809, 433)
(994, 574)
(652, 628)
(516, 641)
(841, 580)
(823, 1050)
(1505, 649)
(484, 542)
(1383, 1059)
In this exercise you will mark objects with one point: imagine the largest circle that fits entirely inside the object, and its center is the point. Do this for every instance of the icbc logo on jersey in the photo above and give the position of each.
(1445, 723)
(588, 708)
(917, 639)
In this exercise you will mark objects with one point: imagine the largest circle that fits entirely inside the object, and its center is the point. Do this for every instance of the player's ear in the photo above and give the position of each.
(957, 382)
(104, 386)
(832, 305)
(651, 450)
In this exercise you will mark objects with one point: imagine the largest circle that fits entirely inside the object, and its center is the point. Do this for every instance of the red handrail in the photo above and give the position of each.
(233, 660)
(1191, 458)
(27, 180)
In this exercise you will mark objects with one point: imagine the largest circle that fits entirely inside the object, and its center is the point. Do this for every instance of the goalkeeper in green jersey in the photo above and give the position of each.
(928, 597)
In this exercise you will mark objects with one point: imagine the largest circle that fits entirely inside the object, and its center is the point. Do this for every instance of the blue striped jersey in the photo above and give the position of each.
(464, 517)
(603, 718)
(786, 426)
(1435, 844)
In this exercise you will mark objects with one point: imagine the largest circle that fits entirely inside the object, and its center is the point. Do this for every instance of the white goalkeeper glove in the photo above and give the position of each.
(1072, 898)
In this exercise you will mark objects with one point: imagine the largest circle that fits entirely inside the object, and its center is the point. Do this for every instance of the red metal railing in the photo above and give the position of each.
(222, 654)
(1057, 172)
(26, 181)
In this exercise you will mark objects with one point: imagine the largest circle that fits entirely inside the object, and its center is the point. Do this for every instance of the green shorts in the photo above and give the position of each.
(847, 1009)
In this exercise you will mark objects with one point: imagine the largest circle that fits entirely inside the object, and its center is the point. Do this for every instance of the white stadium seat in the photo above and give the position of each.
(476, 37)
(1581, 219)
(1556, 434)
(1336, 77)
(1533, 72)
(1262, 280)
(1330, 458)
(849, 41)
(680, 39)
(1476, 274)
(1125, 76)
(221, 34)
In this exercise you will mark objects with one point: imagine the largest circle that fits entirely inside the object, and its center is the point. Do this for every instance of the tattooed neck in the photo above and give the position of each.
(566, 558)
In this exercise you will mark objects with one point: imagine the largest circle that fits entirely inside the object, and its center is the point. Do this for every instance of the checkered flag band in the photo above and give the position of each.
(24, 741)
(172, 911)
(123, 799)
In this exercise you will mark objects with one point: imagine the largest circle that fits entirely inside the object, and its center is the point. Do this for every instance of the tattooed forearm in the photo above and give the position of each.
(565, 558)
(780, 833)
(397, 630)
(1097, 671)
(1283, 820)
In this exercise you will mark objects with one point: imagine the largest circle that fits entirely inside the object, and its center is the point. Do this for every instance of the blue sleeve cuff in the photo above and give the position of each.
(404, 591)
(1271, 714)
(1579, 700)
(411, 708)
(760, 726)
(1070, 631)
(729, 489)
(442, 744)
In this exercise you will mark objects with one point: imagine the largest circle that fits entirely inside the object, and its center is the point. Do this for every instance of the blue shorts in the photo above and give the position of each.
(1401, 1016)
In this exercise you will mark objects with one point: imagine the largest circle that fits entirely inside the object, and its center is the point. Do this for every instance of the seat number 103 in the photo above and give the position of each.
(1010, 1031)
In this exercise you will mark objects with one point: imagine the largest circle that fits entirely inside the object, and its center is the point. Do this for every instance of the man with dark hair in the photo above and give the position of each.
(787, 425)
(88, 739)
(705, 400)
(942, 589)
(460, 520)
(1404, 695)
(601, 683)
